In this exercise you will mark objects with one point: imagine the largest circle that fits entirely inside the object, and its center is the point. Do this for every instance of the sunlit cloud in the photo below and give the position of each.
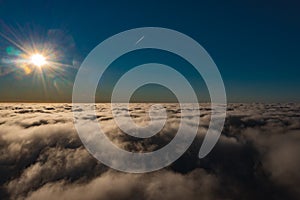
(43, 157)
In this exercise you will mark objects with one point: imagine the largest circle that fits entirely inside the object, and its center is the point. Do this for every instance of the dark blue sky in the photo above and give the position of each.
(255, 44)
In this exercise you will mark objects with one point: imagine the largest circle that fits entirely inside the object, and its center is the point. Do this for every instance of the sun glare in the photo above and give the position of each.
(38, 60)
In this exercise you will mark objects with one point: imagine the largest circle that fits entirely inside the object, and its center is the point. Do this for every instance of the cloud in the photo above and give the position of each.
(257, 156)
(280, 153)
(113, 185)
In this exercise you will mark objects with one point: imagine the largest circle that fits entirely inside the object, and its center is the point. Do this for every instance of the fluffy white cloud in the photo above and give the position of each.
(257, 156)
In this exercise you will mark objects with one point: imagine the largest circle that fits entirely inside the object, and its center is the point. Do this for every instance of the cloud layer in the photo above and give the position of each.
(257, 156)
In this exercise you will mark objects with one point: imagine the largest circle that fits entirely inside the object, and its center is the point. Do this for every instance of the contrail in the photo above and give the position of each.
(139, 40)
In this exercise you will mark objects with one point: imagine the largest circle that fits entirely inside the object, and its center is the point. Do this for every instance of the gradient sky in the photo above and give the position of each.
(255, 44)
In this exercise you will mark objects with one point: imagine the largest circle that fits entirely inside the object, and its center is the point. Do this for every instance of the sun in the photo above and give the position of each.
(38, 60)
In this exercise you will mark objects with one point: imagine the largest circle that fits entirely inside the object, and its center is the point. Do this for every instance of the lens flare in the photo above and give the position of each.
(46, 56)
(37, 52)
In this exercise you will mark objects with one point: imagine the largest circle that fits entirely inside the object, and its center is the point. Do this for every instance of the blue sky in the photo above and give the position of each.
(255, 44)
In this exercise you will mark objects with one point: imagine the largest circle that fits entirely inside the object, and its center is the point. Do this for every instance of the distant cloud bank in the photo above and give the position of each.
(257, 156)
